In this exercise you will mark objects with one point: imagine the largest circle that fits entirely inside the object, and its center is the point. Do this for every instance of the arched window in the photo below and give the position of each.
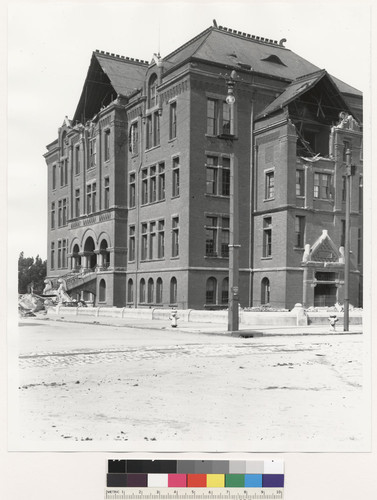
(152, 91)
(225, 291)
(76, 259)
(102, 291)
(265, 291)
(142, 291)
(173, 290)
(150, 291)
(130, 291)
(159, 291)
(211, 291)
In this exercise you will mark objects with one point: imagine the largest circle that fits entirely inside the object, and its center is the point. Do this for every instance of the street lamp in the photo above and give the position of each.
(233, 319)
(349, 172)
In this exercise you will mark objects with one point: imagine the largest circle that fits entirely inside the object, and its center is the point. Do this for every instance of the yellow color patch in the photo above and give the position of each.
(215, 480)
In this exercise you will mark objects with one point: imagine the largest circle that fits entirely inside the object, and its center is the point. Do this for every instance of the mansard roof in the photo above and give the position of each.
(109, 75)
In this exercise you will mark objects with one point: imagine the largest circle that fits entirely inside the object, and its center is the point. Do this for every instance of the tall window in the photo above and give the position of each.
(161, 181)
(77, 203)
(131, 244)
(346, 146)
(53, 176)
(299, 231)
(144, 241)
(52, 255)
(300, 178)
(53, 215)
(212, 117)
(106, 189)
(211, 287)
(132, 188)
(142, 291)
(134, 138)
(267, 237)
(107, 145)
(152, 240)
(91, 198)
(217, 236)
(153, 184)
(150, 291)
(226, 124)
(64, 253)
(176, 183)
(60, 213)
(102, 291)
(175, 237)
(64, 173)
(144, 186)
(322, 185)
(92, 153)
(65, 211)
(130, 291)
(269, 185)
(77, 159)
(159, 291)
(218, 176)
(152, 91)
(156, 129)
(225, 291)
(265, 291)
(59, 254)
(160, 239)
(173, 290)
(173, 120)
(153, 130)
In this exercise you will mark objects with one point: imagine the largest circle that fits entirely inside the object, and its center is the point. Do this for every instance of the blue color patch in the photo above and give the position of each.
(253, 480)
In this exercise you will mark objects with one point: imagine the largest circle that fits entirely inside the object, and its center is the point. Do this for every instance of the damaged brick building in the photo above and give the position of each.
(139, 179)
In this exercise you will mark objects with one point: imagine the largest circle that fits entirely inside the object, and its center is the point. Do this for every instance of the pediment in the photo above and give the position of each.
(323, 250)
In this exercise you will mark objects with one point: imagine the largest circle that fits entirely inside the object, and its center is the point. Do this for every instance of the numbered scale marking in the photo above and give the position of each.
(194, 494)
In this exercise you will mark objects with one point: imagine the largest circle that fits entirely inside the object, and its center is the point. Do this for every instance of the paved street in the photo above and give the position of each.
(95, 383)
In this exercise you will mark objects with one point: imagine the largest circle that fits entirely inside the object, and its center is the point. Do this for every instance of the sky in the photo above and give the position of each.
(50, 46)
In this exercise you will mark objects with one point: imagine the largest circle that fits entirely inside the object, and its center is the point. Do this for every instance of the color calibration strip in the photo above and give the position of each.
(195, 474)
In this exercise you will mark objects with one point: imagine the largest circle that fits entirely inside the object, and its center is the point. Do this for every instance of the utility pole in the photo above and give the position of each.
(347, 242)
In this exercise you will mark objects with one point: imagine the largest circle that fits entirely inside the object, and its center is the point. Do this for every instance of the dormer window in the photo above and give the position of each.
(273, 59)
(152, 91)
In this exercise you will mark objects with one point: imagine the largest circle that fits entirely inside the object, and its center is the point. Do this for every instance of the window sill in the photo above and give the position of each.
(176, 257)
(298, 249)
(176, 196)
(152, 148)
(267, 258)
(224, 196)
(269, 199)
(222, 257)
(172, 139)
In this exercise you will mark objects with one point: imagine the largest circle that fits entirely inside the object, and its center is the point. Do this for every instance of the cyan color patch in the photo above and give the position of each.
(253, 480)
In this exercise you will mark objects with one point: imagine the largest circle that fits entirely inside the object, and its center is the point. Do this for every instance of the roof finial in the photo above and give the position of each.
(282, 42)
(215, 23)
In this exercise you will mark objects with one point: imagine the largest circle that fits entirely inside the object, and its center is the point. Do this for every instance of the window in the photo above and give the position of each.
(132, 188)
(106, 198)
(175, 188)
(65, 212)
(267, 237)
(64, 253)
(299, 231)
(150, 291)
(265, 291)
(211, 286)
(153, 184)
(226, 124)
(175, 237)
(52, 255)
(53, 176)
(64, 173)
(77, 160)
(218, 176)
(173, 120)
(134, 138)
(173, 290)
(225, 291)
(102, 291)
(153, 130)
(130, 290)
(300, 180)
(152, 240)
(142, 291)
(91, 198)
(159, 291)
(160, 239)
(322, 183)
(152, 91)
(144, 241)
(62, 212)
(92, 153)
(53, 215)
(59, 254)
(270, 185)
(161, 181)
(212, 117)
(346, 146)
(144, 186)
(77, 202)
(107, 145)
(217, 236)
(131, 244)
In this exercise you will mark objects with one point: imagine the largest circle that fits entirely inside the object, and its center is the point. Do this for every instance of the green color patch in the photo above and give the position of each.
(235, 480)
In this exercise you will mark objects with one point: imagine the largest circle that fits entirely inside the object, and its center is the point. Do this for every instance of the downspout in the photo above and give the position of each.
(251, 210)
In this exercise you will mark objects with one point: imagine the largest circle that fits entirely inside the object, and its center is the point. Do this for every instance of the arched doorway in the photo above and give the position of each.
(105, 254)
(76, 258)
(91, 258)
(102, 291)
(325, 290)
(265, 291)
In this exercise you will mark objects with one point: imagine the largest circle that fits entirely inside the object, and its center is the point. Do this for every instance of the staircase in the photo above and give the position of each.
(75, 279)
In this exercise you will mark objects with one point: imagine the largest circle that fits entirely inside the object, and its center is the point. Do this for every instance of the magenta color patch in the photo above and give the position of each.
(177, 480)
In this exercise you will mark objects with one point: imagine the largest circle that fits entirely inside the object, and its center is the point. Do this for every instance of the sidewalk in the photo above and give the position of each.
(206, 328)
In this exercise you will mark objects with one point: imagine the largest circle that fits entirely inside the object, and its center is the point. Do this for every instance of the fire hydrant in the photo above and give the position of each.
(174, 318)
(333, 318)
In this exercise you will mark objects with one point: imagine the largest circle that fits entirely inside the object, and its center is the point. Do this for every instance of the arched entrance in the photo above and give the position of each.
(325, 289)
(76, 258)
(91, 258)
(104, 255)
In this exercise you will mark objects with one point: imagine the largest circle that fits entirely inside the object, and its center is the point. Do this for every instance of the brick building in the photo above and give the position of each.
(139, 178)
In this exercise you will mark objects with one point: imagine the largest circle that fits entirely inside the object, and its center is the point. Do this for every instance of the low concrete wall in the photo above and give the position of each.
(322, 318)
